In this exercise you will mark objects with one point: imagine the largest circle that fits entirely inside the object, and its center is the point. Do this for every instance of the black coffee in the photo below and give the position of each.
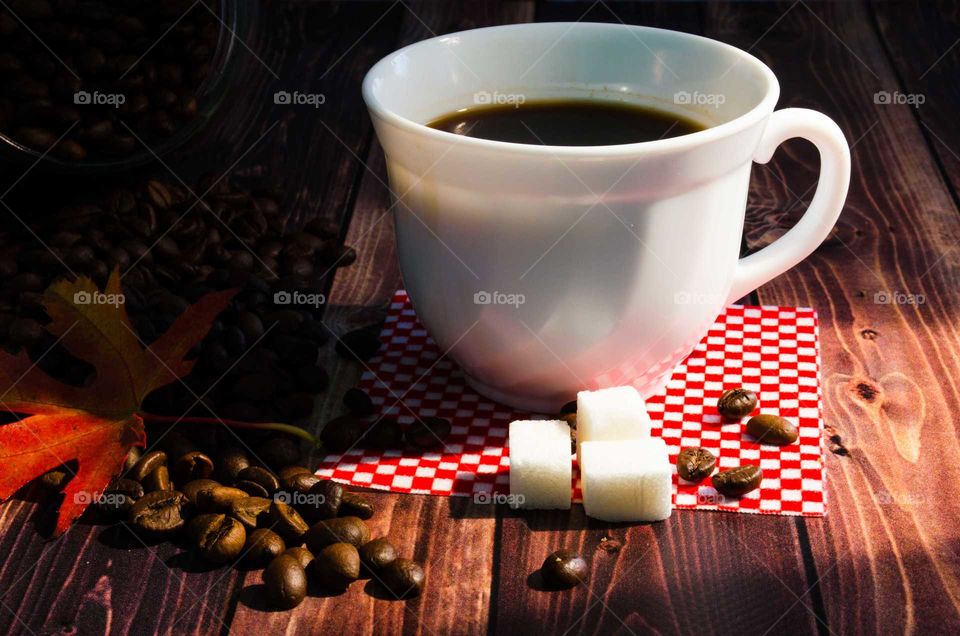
(567, 123)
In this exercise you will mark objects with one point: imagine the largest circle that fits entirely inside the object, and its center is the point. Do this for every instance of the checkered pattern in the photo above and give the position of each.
(771, 350)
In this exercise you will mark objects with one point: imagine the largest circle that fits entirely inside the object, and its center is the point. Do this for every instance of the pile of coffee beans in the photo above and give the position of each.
(256, 511)
(102, 74)
(696, 464)
(172, 249)
(359, 429)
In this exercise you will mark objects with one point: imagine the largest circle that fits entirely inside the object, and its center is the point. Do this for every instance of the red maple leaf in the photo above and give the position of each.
(97, 424)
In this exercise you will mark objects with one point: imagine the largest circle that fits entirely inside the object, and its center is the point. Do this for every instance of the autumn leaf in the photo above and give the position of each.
(94, 425)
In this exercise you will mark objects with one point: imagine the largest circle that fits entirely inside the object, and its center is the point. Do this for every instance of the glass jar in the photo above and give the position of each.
(179, 66)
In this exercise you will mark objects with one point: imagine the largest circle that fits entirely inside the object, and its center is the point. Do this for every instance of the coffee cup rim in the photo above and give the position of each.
(736, 125)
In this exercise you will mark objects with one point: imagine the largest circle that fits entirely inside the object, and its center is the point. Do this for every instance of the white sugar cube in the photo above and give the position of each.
(618, 413)
(540, 465)
(626, 480)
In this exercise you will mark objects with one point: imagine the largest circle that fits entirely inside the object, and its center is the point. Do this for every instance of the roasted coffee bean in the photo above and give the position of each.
(26, 331)
(571, 420)
(175, 444)
(297, 479)
(285, 581)
(192, 488)
(324, 502)
(263, 546)
(337, 566)
(376, 554)
(158, 512)
(147, 464)
(191, 466)
(695, 464)
(218, 498)
(70, 150)
(229, 463)
(252, 488)
(26, 282)
(327, 228)
(350, 530)
(353, 505)
(301, 554)
(251, 325)
(358, 402)
(361, 344)
(250, 510)
(119, 496)
(383, 433)
(344, 255)
(772, 429)
(159, 479)
(403, 578)
(257, 387)
(342, 433)
(564, 569)
(38, 138)
(285, 321)
(569, 407)
(287, 522)
(737, 403)
(219, 538)
(159, 194)
(312, 379)
(262, 476)
(428, 432)
(278, 452)
(296, 406)
(737, 482)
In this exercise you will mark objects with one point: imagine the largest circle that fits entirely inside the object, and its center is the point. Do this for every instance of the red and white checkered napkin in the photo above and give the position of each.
(771, 350)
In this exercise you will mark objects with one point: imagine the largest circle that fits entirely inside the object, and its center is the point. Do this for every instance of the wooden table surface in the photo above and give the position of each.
(887, 556)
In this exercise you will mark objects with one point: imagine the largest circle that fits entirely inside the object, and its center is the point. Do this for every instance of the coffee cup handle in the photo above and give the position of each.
(798, 243)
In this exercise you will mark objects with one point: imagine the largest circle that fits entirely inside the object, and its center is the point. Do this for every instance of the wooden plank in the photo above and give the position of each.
(884, 558)
(693, 573)
(99, 579)
(452, 537)
(926, 69)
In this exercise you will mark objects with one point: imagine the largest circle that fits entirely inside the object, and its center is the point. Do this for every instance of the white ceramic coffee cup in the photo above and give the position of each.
(546, 270)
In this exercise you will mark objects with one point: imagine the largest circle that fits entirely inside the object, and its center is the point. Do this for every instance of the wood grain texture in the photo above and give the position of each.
(98, 571)
(884, 557)
(887, 557)
(670, 578)
(926, 66)
(453, 538)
